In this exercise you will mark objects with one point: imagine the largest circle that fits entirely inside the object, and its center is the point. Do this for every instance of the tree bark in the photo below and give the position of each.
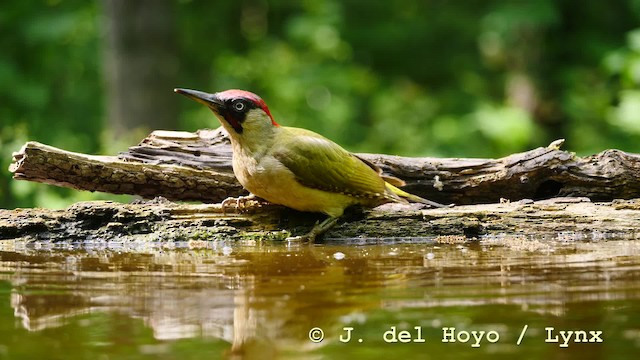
(509, 224)
(197, 166)
(49, 165)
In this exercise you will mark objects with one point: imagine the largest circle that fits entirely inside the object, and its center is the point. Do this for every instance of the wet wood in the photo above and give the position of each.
(163, 221)
(197, 166)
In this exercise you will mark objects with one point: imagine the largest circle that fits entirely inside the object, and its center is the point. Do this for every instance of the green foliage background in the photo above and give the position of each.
(412, 77)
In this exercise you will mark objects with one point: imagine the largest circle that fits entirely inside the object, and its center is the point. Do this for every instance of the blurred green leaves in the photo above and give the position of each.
(409, 77)
(625, 64)
(50, 88)
(627, 114)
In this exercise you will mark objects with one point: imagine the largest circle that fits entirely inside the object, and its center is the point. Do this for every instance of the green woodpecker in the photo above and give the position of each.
(295, 167)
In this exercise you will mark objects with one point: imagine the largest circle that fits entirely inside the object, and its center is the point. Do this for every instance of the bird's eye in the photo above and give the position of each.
(239, 106)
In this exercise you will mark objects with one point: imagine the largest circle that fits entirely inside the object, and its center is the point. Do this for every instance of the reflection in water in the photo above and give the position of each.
(265, 298)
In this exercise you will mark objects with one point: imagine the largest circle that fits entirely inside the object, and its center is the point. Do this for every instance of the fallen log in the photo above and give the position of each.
(561, 219)
(197, 166)
(175, 179)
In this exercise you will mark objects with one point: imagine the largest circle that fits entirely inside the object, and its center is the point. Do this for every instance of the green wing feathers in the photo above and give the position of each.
(413, 198)
(320, 163)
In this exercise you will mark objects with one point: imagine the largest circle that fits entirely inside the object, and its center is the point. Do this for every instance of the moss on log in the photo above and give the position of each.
(163, 221)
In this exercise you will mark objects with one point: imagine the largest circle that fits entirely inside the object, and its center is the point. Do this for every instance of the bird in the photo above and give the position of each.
(295, 167)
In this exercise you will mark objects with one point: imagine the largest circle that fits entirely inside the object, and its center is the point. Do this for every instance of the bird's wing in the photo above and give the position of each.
(321, 164)
(390, 179)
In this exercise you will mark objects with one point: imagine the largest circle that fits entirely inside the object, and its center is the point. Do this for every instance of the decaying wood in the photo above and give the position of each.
(163, 221)
(179, 178)
(197, 166)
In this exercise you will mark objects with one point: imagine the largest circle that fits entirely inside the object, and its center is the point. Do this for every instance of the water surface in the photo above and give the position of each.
(400, 297)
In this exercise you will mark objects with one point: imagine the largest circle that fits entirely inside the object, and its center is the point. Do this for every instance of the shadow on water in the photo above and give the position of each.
(412, 298)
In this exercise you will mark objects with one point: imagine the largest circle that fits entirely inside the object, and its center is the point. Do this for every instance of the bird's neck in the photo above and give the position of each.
(253, 143)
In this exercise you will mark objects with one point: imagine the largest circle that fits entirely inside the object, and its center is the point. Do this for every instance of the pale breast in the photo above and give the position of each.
(269, 179)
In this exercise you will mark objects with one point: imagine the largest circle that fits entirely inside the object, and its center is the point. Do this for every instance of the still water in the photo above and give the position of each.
(395, 298)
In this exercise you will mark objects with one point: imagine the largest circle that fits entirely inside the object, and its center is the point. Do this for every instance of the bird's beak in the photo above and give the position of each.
(210, 100)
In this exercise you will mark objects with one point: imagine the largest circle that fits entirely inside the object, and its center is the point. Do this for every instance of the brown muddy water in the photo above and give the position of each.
(499, 298)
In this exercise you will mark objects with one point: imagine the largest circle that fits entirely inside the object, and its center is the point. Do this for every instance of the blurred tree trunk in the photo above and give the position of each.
(7, 200)
(140, 65)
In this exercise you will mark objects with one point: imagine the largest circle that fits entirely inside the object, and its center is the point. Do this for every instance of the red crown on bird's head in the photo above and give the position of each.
(243, 94)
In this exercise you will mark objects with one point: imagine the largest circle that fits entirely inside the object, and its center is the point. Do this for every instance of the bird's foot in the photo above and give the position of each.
(239, 204)
(308, 238)
(317, 231)
(300, 239)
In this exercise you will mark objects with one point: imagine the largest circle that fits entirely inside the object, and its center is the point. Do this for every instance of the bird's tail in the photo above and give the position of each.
(414, 198)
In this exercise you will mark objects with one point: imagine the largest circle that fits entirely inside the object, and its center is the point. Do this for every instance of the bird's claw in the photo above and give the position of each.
(239, 204)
